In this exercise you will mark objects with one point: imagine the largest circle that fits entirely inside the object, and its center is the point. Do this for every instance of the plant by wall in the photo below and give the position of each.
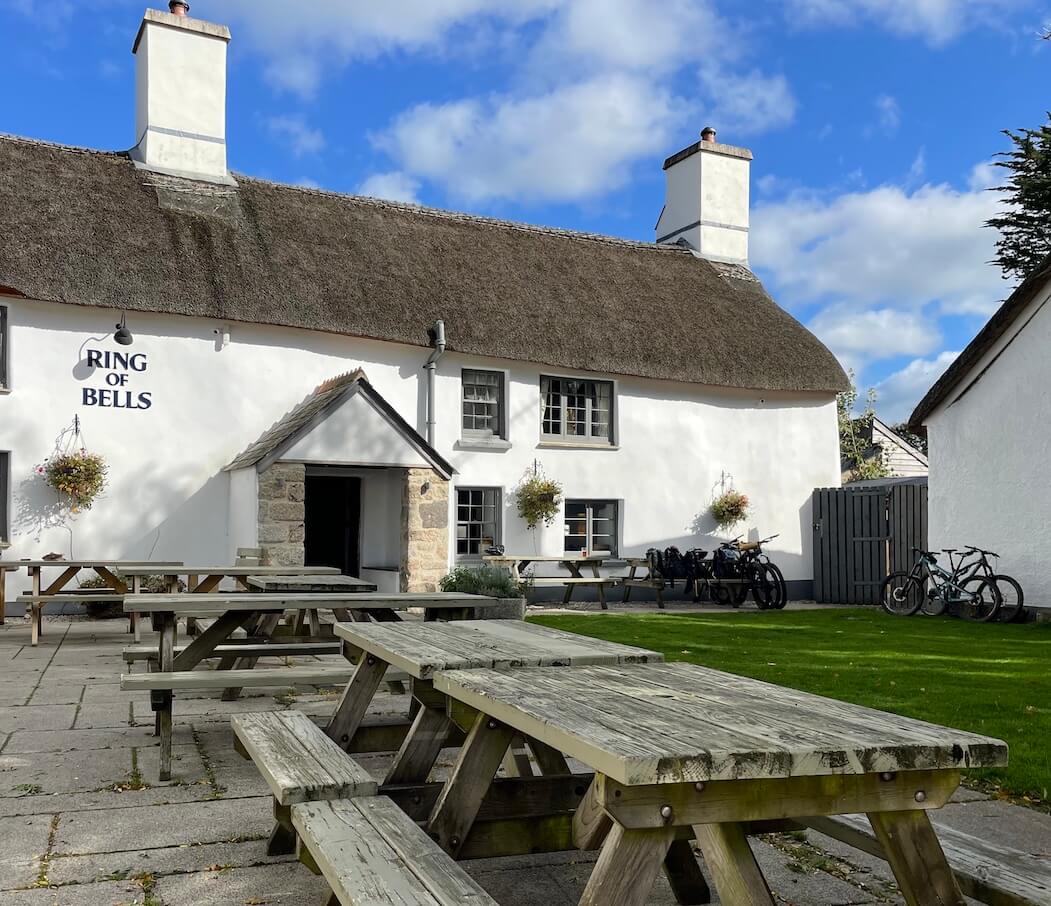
(861, 459)
(78, 475)
(483, 580)
(538, 499)
(730, 508)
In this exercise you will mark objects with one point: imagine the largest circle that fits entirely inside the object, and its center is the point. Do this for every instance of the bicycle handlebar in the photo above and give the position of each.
(978, 550)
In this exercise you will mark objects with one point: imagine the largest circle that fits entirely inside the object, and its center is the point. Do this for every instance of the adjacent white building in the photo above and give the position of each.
(354, 381)
(989, 440)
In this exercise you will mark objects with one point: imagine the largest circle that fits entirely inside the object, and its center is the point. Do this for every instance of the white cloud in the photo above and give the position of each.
(748, 103)
(571, 143)
(393, 186)
(859, 338)
(937, 21)
(899, 393)
(301, 42)
(889, 111)
(301, 138)
(884, 248)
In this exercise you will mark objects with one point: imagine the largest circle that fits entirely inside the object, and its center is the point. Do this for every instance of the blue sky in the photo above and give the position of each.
(873, 123)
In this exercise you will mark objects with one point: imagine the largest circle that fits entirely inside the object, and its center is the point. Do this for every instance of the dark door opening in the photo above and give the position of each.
(333, 522)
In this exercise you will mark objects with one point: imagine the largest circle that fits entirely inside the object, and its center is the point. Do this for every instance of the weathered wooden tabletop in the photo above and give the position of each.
(674, 723)
(279, 601)
(301, 583)
(422, 649)
(148, 565)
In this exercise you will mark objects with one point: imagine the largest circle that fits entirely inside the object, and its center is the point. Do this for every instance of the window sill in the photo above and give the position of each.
(497, 445)
(568, 445)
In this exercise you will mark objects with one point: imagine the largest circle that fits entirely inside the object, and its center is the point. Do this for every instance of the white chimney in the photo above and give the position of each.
(180, 75)
(706, 199)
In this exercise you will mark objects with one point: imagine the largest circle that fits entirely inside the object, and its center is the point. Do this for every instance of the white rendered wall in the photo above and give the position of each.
(168, 497)
(243, 523)
(989, 455)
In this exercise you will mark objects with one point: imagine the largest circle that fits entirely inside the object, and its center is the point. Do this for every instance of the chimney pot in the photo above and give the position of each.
(708, 134)
(179, 8)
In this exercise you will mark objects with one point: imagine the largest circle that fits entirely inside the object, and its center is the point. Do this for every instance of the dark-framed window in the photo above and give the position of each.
(593, 526)
(5, 495)
(5, 353)
(477, 521)
(576, 410)
(483, 404)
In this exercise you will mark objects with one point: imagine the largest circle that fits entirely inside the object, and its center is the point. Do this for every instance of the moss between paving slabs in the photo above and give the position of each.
(992, 679)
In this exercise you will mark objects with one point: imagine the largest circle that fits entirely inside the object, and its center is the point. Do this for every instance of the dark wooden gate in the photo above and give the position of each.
(861, 535)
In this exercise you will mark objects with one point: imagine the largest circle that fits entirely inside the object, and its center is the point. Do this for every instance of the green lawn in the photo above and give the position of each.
(991, 679)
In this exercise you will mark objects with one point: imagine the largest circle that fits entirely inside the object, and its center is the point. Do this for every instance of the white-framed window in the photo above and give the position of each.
(483, 404)
(576, 410)
(592, 526)
(477, 521)
(5, 496)
(5, 351)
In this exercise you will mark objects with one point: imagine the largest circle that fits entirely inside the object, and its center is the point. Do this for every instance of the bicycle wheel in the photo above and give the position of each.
(1012, 599)
(934, 604)
(901, 595)
(983, 601)
(770, 583)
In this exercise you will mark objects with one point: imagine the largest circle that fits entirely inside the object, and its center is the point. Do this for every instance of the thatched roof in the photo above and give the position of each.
(998, 325)
(88, 228)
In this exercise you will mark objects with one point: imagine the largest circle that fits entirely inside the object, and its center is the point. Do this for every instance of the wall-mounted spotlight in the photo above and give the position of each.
(123, 336)
(222, 335)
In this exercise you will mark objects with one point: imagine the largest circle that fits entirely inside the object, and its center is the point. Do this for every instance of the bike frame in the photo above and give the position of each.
(925, 568)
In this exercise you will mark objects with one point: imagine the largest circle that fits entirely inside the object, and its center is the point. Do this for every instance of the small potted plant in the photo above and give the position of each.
(493, 583)
(730, 508)
(79, 476)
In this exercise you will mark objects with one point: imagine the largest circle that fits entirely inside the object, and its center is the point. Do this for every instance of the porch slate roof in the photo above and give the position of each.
(86, 227)
(309, 412)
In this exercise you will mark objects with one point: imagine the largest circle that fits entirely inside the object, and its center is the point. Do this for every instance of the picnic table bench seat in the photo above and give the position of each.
(247, 647)
(35, 605)
(299, 763)
(986, 871)
(373, 853)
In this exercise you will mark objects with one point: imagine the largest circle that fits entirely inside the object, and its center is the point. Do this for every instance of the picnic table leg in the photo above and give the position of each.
(267, 625)
(551, 762)
(163, 702)
(917, 859)
(421, 747)
(3, 593)
(574, 572)
(736, 875)
(355, 701)
(191, 622)
(461, 797)
(34, 622)
(684, 875)
(516, 761)
(627, 584)
(628, 866)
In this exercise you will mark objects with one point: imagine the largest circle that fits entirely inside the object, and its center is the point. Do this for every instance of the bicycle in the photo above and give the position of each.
(739, 568)
(905, 593)
(1012, 598)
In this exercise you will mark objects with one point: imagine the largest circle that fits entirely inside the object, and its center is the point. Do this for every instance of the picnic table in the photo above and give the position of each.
(680, 749)
(205, 579)
(308, 584)
(40, 594)
(260, 615)
(573, 563)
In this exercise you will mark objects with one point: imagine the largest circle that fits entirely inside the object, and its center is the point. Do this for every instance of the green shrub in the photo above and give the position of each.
(483, 580)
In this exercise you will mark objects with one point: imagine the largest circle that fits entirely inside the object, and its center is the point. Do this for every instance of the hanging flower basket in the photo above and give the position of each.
(79, 476)
(538, 499)
(730, 508)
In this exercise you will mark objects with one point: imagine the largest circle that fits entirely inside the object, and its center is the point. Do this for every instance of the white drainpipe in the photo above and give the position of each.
(431, 366)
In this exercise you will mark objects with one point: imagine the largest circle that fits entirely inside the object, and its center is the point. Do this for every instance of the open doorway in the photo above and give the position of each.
(333, 522)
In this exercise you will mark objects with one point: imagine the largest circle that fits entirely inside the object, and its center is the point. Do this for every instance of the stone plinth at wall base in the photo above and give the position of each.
(506, 609)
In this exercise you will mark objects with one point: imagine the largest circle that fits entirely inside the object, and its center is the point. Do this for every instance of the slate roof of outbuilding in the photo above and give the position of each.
(89, 228)
(987, 337)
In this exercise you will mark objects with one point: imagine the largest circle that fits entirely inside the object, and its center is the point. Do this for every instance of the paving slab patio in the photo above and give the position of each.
(85, 823)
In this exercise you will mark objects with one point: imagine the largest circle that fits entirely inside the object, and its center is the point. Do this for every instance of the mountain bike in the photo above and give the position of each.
(1012, 599)
(975, 597)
